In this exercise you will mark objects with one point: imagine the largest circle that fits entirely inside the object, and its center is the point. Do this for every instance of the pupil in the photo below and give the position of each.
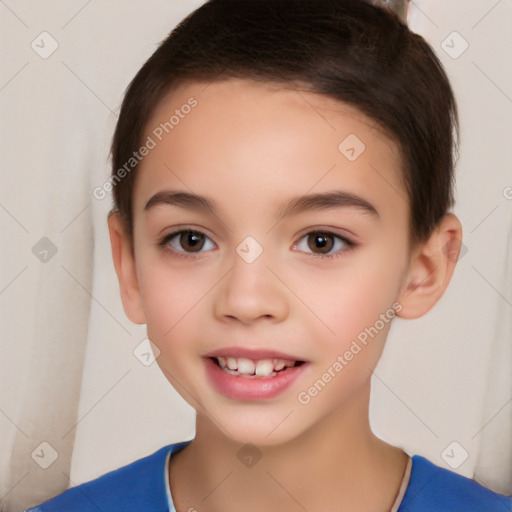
(320, 241)
(192, 242)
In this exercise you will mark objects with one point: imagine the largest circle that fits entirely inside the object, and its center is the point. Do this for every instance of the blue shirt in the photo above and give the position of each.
(142, 486)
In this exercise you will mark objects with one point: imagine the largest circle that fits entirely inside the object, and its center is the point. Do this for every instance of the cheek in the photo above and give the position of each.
(170, 296)
(349, 301)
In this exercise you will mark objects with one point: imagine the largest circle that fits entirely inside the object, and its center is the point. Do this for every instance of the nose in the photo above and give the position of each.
(250, 292)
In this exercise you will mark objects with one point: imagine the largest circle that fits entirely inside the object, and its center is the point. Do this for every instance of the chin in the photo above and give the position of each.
(259, 427)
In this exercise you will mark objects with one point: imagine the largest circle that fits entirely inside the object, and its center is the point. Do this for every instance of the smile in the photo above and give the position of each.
(250, 368)
(249, 375)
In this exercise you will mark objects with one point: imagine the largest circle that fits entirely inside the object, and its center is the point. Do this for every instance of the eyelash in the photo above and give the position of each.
(349, 244)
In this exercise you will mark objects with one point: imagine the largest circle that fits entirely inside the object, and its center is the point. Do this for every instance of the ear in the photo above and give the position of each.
(431, 268)
(124, 263)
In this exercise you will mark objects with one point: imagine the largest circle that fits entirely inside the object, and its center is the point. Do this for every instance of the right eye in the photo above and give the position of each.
(188, 241)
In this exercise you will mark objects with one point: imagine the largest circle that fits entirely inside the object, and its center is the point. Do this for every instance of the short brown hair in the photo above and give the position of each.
(349, 50)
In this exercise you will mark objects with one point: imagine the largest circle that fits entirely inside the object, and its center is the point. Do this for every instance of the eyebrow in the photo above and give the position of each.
(320, 201)
(325, 200)
(182, 199)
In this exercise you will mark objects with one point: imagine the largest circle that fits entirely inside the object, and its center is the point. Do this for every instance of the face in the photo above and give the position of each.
(271, 244)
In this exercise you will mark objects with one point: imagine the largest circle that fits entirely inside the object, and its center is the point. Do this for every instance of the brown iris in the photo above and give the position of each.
(320, 242)
(192, 241)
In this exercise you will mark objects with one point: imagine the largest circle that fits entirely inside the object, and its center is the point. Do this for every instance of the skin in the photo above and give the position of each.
(251, 148)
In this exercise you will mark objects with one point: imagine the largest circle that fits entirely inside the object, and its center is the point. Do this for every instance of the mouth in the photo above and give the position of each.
(249, 375)
(255, 368)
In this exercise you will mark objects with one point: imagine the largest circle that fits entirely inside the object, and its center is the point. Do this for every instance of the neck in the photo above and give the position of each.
(337, 461)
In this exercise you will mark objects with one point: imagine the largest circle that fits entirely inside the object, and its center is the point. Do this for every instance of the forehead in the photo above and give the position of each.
(259, 138)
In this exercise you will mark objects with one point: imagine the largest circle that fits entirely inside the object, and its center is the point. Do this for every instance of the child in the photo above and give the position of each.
(282, 177)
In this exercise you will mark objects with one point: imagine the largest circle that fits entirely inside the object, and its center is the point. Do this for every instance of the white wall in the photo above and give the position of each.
(68, 375)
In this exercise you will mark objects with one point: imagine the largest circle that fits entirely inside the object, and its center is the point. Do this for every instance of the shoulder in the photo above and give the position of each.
(131, 488)
(435, 489)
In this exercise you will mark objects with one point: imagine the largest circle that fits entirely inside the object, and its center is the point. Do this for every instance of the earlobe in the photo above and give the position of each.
(124, 264)
(431, 268)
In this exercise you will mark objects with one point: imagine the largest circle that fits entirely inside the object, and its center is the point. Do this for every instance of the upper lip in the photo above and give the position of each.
(248, 353)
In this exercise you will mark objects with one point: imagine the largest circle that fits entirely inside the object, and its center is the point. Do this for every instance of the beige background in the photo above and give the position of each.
(68, 374)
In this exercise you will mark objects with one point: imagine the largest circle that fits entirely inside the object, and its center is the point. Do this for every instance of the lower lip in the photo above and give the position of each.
(246, 388)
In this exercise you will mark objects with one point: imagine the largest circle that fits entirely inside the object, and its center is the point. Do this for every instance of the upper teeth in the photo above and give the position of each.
(260, 368)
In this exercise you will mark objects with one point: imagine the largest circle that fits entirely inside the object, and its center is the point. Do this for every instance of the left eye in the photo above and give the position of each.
(322, 243)
(189, 241)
